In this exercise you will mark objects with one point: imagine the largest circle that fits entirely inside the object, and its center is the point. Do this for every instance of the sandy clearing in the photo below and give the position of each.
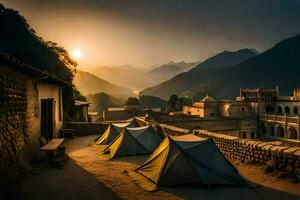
(111, 173)
(89, 175)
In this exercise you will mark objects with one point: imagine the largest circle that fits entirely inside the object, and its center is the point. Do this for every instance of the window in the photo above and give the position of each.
(243, 109)
(244, 135)
(295, 110)
(287, 110)
(252, 135)
(279, 110)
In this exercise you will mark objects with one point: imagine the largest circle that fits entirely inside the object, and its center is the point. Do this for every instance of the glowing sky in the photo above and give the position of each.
(142, 33)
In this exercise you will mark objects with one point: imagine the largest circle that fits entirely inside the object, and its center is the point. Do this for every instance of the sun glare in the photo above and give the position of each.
(77, 54)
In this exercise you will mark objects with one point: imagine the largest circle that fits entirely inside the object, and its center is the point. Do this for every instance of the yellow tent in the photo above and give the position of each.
(187, 160)
(134, 141)
(113, 130)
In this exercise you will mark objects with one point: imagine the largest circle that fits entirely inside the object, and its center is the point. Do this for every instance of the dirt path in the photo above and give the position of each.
(71, 182)
(88, 175)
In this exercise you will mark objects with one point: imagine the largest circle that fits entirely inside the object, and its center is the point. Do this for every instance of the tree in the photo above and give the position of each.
(152, 102)
(172, 102)
(180, 103)
(19, 40)
(132, 101)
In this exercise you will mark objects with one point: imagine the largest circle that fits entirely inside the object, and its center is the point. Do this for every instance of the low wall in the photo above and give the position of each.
(273, 154)
(86, 128)
(173, 130)
(254, 151)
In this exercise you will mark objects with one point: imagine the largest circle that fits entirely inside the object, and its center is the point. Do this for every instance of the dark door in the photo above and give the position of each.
(47, 118)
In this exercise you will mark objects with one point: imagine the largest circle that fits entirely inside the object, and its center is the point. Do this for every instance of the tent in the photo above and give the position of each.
(113, 130)
(187, 160)
(134, 141)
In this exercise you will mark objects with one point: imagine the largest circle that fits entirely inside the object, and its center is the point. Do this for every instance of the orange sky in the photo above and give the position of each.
(142, 34)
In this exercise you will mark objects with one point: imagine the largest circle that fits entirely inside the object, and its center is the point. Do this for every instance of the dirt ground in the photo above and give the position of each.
(88, 175)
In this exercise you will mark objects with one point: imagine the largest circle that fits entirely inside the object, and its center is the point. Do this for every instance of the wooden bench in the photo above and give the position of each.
(52, 145)
(55, 152)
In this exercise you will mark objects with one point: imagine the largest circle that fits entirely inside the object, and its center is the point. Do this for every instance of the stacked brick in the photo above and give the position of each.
(279, 157)
(13, 106)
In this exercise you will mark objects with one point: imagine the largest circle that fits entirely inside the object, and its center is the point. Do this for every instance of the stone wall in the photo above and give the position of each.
(232, 126)
(273, 154)
(13, 127)
(32, 119)
(173, 130)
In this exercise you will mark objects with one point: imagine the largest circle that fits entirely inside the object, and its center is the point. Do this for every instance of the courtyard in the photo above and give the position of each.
(89, 175)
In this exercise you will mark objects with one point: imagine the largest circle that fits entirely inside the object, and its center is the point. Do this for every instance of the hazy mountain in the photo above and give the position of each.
(169, 70)
(139, 78)
(126, 76)
(226, 59)
(88, 83)
(279, 65)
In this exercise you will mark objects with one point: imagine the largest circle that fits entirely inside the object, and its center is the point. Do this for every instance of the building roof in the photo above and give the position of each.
(82, 103)
(198, 104)
(33, 72)
(208, 99)
(115, 109)
(93, 113)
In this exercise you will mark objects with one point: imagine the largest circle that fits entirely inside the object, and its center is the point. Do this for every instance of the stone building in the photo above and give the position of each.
(278, 115)
(30, 107)
(235, 118)
(211, 108)
(265, 111)
(126, 112)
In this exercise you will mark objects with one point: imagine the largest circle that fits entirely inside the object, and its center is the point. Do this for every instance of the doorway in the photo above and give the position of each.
(47, 118)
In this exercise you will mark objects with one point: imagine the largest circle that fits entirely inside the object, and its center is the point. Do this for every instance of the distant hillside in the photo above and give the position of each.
(138, 78)
(279, 65)
(90, 84)
(126, 76)
(169, 70)
(226, 59)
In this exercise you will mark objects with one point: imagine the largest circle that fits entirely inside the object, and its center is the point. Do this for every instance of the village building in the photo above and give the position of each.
(278, 116)
(30, 108)
(83, 107)
(93, 116)
(255, 113)
(126, 112)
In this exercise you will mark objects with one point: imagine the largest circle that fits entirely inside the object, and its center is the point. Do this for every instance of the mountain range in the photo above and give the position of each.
(278, 66)
(88, 83)
(169, 70)
(139, 78)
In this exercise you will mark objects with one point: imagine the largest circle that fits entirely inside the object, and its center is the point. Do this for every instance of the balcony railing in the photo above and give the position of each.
(279, 118)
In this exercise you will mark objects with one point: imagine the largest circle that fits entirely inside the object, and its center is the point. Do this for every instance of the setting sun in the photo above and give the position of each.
(77, 54)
